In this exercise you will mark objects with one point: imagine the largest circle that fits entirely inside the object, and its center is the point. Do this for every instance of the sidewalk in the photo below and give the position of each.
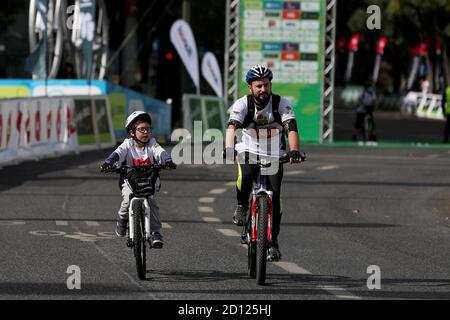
(391, 126)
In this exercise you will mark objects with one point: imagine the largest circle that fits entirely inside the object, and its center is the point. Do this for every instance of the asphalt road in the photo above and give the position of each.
(350, 215)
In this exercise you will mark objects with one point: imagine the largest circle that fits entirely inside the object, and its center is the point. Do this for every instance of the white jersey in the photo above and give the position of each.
(264, 119)
(133, 155)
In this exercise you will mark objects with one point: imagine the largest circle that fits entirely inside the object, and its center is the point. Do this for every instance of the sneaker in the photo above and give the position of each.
(239, 215)
(121, 227)
(156, 240)
(274, 253)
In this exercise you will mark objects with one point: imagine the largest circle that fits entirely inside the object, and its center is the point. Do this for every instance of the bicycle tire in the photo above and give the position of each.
(251, 254)
(261, 240)
(139, 241)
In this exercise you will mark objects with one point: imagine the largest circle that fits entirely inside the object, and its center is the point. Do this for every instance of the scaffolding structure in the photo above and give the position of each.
(231, 66)
(231, 72)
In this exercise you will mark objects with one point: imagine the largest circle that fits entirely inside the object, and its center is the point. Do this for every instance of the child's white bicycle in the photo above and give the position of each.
(142, 181)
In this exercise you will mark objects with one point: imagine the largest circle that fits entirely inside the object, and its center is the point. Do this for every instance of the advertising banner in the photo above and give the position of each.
(183, 40)
(34, 128)
(211, 72)
(287, 37)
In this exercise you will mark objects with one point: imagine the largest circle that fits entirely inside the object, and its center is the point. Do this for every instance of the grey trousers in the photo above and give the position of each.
(155, 222)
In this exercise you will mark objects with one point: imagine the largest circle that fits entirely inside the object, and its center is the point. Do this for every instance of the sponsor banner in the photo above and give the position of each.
(34, 128)
(211, 72)
(183, 40)
(287, 37)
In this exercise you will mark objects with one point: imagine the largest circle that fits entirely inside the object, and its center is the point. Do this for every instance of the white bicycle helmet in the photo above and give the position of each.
(135, 116)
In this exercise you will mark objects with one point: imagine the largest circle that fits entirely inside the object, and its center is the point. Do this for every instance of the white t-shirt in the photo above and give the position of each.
(264, 119)
(139, 156)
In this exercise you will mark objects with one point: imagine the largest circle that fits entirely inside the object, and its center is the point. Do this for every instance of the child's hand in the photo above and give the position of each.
(106, 167)
(170, 165)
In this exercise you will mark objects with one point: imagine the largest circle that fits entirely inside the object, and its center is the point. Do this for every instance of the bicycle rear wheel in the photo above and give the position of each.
(139, 242)
(261, 240)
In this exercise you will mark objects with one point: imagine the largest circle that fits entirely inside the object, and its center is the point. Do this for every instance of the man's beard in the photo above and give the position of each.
(262, 99)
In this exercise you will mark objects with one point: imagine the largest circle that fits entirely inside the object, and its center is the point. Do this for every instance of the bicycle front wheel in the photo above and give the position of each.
(139, 242)
(261, 240)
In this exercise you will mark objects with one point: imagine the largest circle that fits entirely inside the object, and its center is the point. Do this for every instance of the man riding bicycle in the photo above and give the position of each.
(258, 110)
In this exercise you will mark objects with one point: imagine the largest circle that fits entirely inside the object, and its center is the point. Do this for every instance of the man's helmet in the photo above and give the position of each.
(258, 72)
(134, 117)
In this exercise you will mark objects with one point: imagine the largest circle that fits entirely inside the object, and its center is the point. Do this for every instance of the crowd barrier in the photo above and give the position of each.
(35, 128)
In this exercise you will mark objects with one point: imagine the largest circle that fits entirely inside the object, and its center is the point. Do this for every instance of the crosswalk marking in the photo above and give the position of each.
(205, 209)
(61, 223)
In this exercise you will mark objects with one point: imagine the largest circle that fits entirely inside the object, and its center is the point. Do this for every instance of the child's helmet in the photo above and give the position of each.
(135, 116)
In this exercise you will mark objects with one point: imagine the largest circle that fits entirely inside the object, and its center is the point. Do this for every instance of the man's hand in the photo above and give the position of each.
(296, 157)
(106, 167)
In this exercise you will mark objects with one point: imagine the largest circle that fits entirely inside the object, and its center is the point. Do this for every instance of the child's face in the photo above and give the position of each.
(143, 132)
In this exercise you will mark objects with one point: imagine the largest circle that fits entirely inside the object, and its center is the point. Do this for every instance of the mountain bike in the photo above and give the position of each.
(258, 223)
(141, 180)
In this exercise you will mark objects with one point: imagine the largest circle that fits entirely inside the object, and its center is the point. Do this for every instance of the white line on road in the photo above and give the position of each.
(229, 232)
(61, 223)
(211, 219)
(205, 209)
(339, 292)
(291, 267)
(206, 200)
(230, 184)
(10, 223)
(165, 225)
(328, 167)
(293, 173)
(92, 223)
(217, 191)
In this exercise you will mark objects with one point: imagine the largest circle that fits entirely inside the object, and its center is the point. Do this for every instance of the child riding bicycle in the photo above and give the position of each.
(138, 150)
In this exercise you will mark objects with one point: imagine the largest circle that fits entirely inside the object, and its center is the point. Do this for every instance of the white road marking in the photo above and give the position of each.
(291, 267)
(206, 200)
(92, 223)
(206, 209)
(61, 223)
(230, 184)
(293, 173)
(339, 292)
(211, 219)
(229, 232)
(165, 225)
(328, 167)
(217, 191)
(10, 223)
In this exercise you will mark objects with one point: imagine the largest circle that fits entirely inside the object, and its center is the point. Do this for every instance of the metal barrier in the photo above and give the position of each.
(423, 105)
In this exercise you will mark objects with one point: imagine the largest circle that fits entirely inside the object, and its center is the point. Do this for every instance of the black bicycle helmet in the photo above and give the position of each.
(258, 72)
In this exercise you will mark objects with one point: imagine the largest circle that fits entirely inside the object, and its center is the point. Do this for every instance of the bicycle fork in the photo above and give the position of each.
(133, 215)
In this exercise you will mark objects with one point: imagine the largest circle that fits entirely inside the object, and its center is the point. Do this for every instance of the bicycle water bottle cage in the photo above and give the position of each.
(142, 181)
